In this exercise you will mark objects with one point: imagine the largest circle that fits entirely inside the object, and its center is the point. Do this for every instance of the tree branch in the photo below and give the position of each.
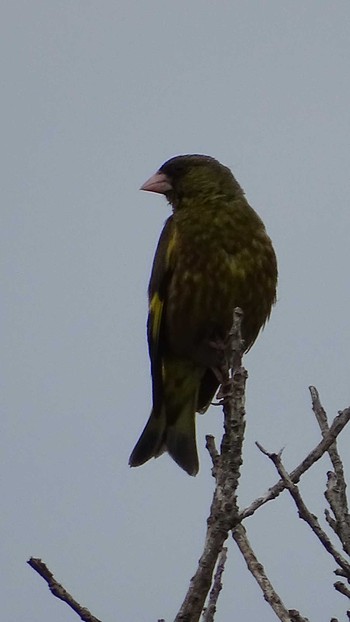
(59, 591)
(226, 471)
(336, 486)
(224, 513)
(209, 613)
(240, 536)
(340, 587)
(305, 513)
(337, 426)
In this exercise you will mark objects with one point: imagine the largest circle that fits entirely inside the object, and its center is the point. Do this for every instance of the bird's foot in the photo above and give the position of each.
(225, 390)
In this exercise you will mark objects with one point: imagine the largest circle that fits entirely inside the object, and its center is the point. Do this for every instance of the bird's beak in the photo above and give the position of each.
(159, 182)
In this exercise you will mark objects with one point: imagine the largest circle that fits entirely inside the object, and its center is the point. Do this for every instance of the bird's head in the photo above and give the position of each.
(188, 177)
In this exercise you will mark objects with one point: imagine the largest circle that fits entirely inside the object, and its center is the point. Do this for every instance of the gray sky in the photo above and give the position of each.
(95, 96)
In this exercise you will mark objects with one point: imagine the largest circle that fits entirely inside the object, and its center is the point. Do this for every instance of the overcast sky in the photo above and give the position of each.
(95, 96)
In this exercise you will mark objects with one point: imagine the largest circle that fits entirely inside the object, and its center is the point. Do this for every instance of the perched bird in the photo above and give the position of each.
(213, 255)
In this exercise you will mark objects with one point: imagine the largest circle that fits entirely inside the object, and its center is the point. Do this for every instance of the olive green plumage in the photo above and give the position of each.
(213, 255)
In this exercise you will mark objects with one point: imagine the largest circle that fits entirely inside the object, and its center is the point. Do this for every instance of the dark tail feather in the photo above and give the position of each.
(173, 430)
(180, 442)
(150, 442)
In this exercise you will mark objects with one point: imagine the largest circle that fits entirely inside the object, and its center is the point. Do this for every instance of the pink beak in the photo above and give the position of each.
(159, 182)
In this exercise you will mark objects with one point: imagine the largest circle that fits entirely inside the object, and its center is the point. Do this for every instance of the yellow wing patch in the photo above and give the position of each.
(158, 299)
(156, 304)
(156, 310)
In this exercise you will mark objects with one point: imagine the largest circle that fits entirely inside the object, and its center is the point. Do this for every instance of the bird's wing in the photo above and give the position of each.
(162, 270)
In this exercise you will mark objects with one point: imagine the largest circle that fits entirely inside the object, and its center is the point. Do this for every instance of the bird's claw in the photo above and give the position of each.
(225, 390)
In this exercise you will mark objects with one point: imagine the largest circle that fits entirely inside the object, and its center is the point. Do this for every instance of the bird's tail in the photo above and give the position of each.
(178, 439)
(171, 427)
(181, 381)
(151, 441)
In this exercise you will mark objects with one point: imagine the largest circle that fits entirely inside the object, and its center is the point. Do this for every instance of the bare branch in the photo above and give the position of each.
(336, 486)
(335, 495)
(224, 514)
(209, 613)
(213, 452)
(296, 617)
(337, 426)
(226, 471)
(306, 515)
(340, 573)
(258, 572)
(340, 587)
(223, 511)
(322, 420)
(59, 591)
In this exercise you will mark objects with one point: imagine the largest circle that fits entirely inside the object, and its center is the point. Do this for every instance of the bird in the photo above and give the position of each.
(213, 255)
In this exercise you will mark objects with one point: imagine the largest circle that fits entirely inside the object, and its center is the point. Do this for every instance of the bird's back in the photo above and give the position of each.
(223, 258)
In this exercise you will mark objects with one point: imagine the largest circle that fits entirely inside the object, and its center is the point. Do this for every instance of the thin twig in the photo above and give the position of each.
(59, 591)
(258, 572)
(337, 426)
(305, 513)
(336, 485)
(213, 452)
(340, 587)
(209, 613)
(322, 420)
